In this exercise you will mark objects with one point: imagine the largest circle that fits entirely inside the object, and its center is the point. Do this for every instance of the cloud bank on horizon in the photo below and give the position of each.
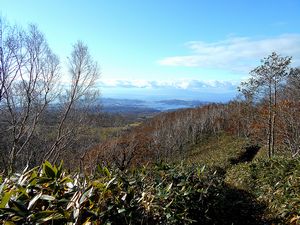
(185, 89)
(175, 84)
(236, 54)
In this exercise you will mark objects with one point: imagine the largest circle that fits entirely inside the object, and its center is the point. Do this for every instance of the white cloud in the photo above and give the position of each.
(236, 53)
(184, 84)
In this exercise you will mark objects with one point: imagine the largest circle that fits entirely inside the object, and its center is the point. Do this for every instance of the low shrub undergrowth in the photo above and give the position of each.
(259, 192)
(163, 194)
(275, 182)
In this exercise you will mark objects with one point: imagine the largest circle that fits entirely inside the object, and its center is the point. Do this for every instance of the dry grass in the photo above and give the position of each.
(216, 151)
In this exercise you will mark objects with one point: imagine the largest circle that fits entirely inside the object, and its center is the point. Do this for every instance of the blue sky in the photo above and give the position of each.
(148, 47)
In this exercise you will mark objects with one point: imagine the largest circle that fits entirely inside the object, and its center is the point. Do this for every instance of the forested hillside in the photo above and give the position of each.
(265, 114)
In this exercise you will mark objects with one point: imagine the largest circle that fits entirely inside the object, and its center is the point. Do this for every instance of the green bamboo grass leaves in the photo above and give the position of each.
(161, 194)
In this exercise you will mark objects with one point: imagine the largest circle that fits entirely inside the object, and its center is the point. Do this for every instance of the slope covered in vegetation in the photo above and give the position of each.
(211, 189)
(273, 182)
(163, 194)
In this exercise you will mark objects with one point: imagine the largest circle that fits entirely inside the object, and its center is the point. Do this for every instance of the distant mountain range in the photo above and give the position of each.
(136, 106)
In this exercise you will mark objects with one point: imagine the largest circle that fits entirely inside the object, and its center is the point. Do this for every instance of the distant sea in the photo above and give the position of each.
(136, 105)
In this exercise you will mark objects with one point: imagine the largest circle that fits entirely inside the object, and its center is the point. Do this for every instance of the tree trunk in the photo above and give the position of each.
(274, 112)
(270, 124)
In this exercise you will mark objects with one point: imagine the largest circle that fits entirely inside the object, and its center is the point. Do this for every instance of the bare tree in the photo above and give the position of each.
(84, 72)
(289, 108)
(30, 96)
(11, 44)
(29, 73)
(266, 79)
